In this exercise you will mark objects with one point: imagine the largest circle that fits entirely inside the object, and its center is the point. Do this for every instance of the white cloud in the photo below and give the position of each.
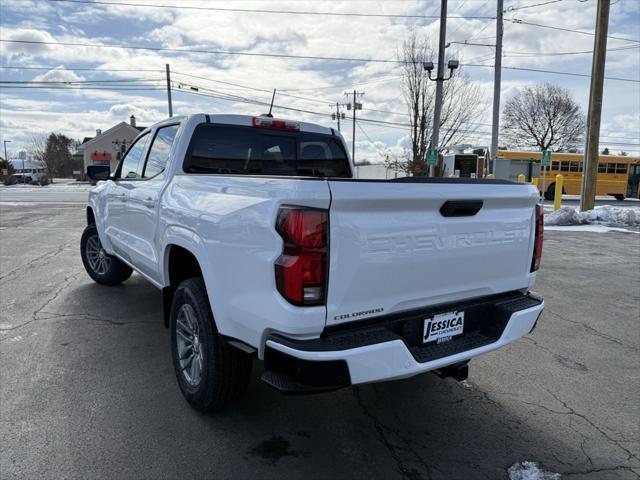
(58, 74)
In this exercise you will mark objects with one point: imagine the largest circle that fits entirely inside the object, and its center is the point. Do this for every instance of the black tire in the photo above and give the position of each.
(116, 272)
(550, 193)
(619, 197)
(28, 180)
(225, 371)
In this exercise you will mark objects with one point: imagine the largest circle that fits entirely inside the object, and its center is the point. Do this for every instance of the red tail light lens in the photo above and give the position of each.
(301, 270)
(537, 246)
(276, 124)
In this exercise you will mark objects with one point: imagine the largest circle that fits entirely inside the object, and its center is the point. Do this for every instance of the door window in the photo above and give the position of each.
(159, 151)
(131, 166)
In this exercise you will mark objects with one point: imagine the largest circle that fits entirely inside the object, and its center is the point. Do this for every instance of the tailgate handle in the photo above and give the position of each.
(461, 208)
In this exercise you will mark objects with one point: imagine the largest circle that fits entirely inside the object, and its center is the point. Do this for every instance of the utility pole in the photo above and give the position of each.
(354, 106)
(5, 152)
(437, 110)
(590, 166)
(497, 76)
(169, 90)
(338, 116)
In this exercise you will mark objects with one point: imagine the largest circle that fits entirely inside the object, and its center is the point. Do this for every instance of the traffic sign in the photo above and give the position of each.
(432, 156)
(546, 158)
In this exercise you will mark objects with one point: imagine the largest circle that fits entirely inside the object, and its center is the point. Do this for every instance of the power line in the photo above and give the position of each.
(192, 50)
(564, 73)
(60, 87)
(62, 69)
(258, 10)
(77, 82)
(513, 9)
(277, 55)
(523, 22)
(553, 54)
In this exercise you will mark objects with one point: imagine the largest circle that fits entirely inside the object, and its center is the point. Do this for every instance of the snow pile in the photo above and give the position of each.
(605, 215)
(530, 471)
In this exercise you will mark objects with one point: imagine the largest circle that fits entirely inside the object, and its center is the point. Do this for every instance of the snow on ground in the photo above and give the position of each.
(607, 215)
(530, 471)
(57, 186)
(587, 228)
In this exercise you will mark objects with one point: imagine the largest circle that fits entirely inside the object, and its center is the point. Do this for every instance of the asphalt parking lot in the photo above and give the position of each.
(87, 388)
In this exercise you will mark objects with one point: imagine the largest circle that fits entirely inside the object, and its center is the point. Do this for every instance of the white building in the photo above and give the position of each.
(108, 147)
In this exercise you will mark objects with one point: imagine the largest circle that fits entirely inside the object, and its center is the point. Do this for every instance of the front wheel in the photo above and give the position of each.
(101, 267)
(619, 197)
(211, 373)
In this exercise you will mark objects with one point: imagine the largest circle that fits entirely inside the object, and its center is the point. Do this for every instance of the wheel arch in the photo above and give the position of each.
(91, 217)
(182, 258)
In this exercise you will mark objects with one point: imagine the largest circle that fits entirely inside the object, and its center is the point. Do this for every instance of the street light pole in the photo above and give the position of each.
(5, 149)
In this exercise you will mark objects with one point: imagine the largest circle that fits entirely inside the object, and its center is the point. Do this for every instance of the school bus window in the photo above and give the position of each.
(602, 168)
(621, 168)
(611, 168)
(555, 165)
(574, 167)
(564, 166)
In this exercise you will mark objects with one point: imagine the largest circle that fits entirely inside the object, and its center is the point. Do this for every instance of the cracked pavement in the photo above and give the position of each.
(87, 388)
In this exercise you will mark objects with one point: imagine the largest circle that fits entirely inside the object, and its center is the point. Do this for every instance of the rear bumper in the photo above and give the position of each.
(388, 349)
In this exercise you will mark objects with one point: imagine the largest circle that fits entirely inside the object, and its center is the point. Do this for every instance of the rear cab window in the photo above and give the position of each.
(241, 150)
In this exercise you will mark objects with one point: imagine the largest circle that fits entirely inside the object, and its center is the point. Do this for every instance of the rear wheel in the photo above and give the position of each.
(101, 267)
(551, 191)
(619, 197)
(210, 372)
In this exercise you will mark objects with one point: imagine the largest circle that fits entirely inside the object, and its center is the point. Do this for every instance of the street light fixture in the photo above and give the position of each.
(451, 65)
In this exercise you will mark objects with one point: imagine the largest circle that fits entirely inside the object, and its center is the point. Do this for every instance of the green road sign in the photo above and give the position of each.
(432, 156)
(546, 158)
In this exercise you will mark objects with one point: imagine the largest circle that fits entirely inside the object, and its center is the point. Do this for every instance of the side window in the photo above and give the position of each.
(555, 165)
(611, 168)
(159, 151)
(131, 166)
(621, 168)
(564, 166)
(602, 168)
(574, 166)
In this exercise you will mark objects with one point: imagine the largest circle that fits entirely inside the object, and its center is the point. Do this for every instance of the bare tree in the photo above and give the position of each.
(461, 107)
(544, 116)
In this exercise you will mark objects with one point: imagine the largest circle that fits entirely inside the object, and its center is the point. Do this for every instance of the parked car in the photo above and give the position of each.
(266, 248)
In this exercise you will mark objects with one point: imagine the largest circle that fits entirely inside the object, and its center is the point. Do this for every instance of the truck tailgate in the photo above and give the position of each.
(392, 249)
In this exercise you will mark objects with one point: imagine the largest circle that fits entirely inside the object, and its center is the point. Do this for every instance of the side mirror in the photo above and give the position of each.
(98, 172)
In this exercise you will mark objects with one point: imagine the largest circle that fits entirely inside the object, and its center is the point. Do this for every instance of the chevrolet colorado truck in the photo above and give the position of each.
(265, 246)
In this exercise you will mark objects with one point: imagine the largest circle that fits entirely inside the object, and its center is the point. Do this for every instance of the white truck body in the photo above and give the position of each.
(391, 250)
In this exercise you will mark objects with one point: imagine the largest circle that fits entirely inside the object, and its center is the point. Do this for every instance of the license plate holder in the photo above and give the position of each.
(442, 327)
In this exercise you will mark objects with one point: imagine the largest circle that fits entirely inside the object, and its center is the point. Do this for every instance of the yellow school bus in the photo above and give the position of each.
(613, 172)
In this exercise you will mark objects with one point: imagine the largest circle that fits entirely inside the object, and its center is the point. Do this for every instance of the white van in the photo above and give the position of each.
(28, 171)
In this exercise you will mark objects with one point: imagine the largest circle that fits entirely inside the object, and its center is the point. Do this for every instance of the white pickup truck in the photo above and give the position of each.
(265, 247)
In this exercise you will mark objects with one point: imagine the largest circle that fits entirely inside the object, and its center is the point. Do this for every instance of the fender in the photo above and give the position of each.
(97, 204)
(176, 235)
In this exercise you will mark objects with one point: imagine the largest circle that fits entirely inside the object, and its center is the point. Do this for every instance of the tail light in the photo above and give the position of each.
(537, 246)
(276, 124)
(301, 270)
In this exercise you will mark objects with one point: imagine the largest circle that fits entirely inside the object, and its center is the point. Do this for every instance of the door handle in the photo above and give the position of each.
(149, 202)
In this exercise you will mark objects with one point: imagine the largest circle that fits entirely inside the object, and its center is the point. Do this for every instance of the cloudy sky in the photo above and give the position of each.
(109, 84)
